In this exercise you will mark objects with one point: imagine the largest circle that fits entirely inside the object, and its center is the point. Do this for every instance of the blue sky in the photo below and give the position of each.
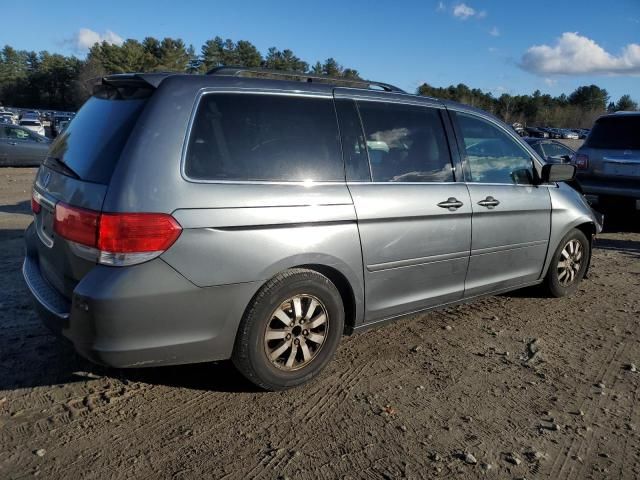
(496, 45)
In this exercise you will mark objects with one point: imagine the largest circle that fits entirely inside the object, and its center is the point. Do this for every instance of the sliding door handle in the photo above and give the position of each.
(451, 203)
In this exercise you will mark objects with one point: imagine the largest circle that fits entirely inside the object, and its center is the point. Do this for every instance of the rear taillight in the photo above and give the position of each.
(35, 203)
(581, 161)
(137, 232)
(116, 238)
(76, 224)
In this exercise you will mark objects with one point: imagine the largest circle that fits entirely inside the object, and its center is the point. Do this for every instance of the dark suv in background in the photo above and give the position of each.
(608, 163)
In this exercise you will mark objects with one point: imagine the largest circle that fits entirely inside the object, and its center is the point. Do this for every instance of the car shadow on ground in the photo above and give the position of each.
(629, 247)
(20, 207)
(535, 291)
(37, 358)
(54, 362)
(619, 220)
(213, 376)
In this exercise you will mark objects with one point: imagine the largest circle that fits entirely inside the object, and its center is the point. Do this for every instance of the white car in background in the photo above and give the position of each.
(33, 125)
(9, 116)
(570, 134)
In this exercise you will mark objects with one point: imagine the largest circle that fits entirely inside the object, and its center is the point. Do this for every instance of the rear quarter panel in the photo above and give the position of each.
(236, 244)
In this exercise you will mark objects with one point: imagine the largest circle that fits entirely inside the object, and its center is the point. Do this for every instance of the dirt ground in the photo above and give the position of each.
(513, 386)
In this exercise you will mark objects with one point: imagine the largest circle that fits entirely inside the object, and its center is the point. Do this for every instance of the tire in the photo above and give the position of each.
(264, 346)
(564, 278)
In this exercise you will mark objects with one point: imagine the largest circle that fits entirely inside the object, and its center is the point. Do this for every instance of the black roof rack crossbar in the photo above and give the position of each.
(301, 77)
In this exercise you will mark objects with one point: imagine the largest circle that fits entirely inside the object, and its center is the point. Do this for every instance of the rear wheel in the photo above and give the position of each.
(569, 264)
(290, 330)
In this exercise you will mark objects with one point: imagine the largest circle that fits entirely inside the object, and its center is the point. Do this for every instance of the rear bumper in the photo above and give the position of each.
(52, 307)
(142, 315)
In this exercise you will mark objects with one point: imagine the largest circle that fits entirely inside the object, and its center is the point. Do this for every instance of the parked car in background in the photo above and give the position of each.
(7, 117)
(30, 115)
(21, 147)
(583, 132)
(56, 121)
(608, 163)
(568, 134)
(551, 150)
(240, 214)
(62, 126)
(519, 129)
(536, 132)
(553, 132)
(33, 125)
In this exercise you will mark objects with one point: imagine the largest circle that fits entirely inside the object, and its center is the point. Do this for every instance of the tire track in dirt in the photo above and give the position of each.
(633, 419)
(574, 443)
(579, 447)
(585, 446)
(329, 401)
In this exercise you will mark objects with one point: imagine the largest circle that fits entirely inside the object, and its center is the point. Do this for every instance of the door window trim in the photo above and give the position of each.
(353, 105)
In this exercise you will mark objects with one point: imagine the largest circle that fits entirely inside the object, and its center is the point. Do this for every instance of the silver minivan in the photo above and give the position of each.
(257, 216)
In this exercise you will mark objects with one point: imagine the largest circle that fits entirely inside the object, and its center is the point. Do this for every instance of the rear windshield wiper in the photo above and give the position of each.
(57, 165)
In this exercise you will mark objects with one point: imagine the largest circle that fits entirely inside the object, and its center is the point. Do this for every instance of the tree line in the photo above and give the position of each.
(53, 81)
(577, 110)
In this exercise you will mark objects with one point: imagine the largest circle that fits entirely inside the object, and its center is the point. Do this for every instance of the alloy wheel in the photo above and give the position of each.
(570, 262)
(296, 332)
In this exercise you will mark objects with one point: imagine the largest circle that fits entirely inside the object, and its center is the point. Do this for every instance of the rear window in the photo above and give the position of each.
(30, 123)
(256, 137)
(93, 141)
(616, 133)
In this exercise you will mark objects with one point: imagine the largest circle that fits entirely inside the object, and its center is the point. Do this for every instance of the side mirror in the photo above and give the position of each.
(557, 172)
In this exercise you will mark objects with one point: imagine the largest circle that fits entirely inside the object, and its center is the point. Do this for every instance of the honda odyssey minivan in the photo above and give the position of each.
(259, 216)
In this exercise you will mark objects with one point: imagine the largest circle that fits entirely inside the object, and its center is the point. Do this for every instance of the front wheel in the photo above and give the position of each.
(569, 264)
(290, 330)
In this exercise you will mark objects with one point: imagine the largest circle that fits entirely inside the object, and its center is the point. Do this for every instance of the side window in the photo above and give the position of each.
(354, 150)
(16, 133)
(405, 143)
(264, 137)
(538, 148)
(556, 150)
(492, 156)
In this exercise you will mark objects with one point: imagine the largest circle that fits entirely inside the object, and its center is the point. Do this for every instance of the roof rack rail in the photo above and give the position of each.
(301, 77)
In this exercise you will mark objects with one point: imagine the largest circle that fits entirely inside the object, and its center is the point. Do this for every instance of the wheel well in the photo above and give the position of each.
(588, 228)
(346, 292)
